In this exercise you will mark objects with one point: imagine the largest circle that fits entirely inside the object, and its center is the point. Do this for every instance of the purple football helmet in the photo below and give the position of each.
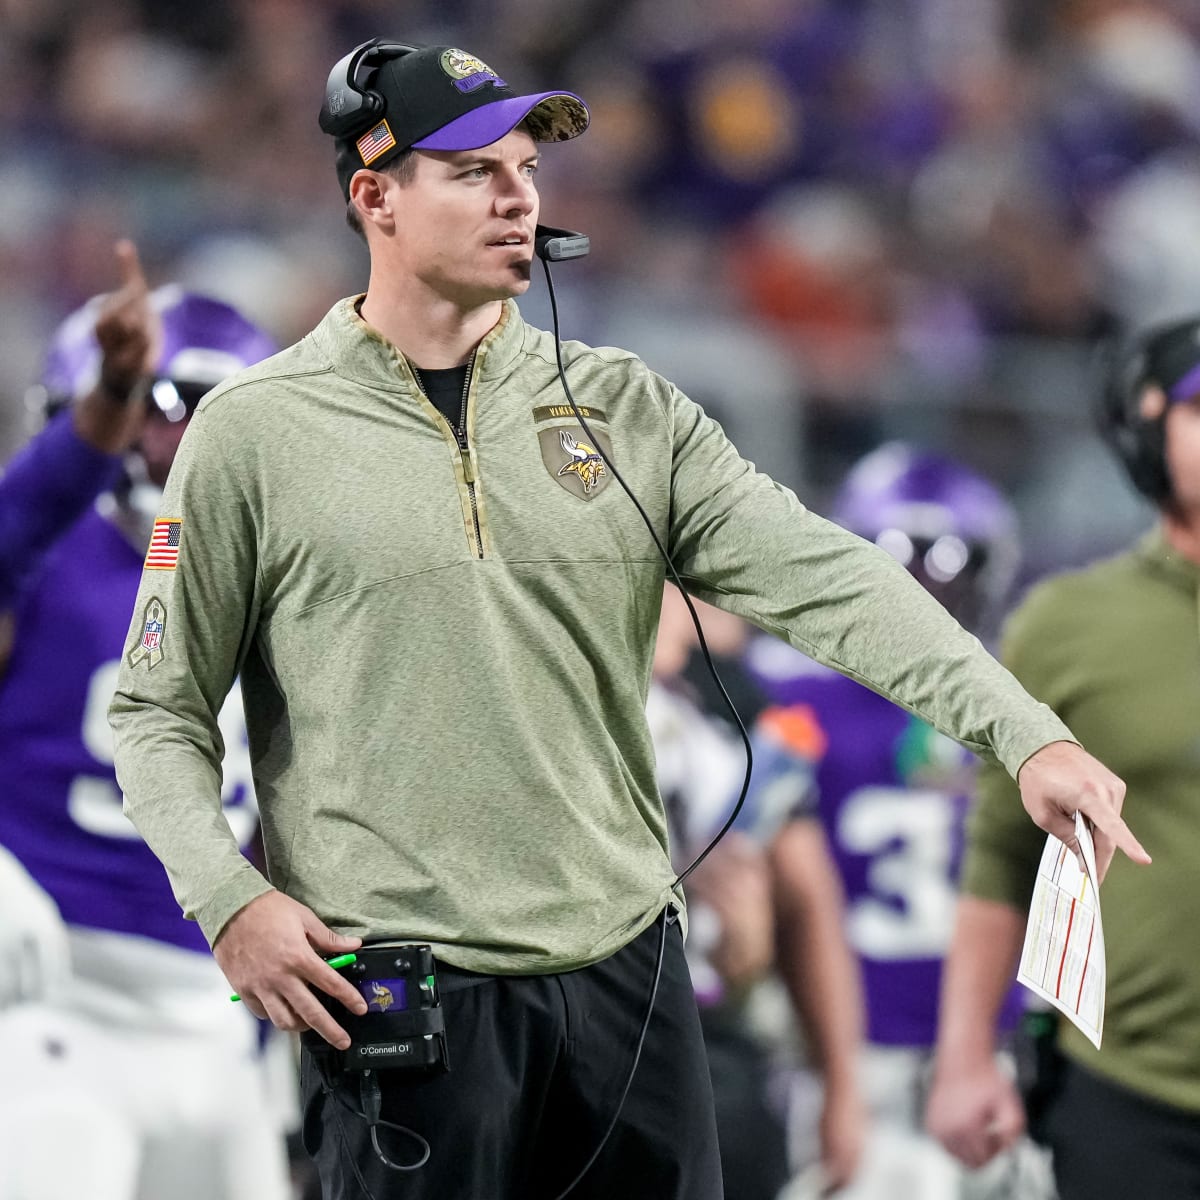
(952, 529)
(204, 341)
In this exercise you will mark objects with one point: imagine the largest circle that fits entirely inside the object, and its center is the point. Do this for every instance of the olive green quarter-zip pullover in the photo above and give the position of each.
(1115, 648)
(445, 641)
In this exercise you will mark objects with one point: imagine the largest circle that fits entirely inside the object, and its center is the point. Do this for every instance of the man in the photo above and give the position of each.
(115, 1031)
(893, 796)
(443, 613)
(1114, 649)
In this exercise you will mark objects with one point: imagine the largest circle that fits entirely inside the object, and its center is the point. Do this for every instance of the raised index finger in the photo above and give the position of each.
(1116, 831)
(129, 267)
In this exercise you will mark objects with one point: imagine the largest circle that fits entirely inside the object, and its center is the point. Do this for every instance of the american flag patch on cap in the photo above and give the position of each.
(163, 554)
(375, 142)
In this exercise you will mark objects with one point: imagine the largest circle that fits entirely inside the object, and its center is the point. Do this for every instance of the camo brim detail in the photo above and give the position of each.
(557, 119)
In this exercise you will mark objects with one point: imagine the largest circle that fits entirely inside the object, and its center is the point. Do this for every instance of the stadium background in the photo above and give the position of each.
(830, 221)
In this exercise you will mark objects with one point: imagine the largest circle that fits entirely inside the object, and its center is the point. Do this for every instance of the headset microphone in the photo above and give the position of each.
(556, 245)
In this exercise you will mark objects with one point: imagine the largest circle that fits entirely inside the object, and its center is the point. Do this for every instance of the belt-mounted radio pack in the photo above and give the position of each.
(403, 1027)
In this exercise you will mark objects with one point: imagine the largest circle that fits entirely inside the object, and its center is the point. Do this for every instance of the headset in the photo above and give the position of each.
(350, 106)
(1127, 365)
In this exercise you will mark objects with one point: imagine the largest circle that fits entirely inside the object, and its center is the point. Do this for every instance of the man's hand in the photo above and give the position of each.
(127, 327)
(734, 880)
(1061, 779)
(974, 1110)
(271, 951)
(843, 1130)
(130, 335)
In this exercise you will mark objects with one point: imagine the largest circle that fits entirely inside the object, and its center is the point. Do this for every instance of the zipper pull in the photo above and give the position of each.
(468, 468)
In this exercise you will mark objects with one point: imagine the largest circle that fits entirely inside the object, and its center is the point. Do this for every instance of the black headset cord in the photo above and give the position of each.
(372, 1103)
(594, 442)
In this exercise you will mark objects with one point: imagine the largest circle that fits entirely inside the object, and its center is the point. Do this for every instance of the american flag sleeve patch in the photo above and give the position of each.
(163, 554)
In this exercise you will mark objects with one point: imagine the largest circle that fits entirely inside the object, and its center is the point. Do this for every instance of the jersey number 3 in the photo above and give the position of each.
(908, 835)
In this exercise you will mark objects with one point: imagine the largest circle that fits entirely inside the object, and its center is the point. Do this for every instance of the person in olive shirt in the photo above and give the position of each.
(1115, 650)
(443, 610)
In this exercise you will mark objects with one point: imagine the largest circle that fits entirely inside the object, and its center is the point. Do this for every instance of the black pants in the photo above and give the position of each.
(537, 1065)
(1113, 1144)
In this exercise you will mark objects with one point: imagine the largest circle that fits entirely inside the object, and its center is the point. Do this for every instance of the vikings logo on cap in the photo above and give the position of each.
(468, 72)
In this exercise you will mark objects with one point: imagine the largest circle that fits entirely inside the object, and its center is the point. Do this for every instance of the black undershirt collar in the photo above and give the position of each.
(444, 387)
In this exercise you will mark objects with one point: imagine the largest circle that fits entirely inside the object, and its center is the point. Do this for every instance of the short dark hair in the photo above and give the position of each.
(402, 168)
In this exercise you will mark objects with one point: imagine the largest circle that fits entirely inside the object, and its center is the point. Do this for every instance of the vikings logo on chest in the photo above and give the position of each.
(583, 461)
(575, 457)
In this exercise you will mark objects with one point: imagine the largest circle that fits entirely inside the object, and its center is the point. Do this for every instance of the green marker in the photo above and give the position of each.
(342, 960)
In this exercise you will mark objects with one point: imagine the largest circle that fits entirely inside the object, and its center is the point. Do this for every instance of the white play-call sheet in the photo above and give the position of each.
(1063, 956)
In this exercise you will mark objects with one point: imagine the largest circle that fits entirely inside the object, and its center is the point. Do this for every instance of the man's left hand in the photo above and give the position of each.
(734, 880)
(1062, 779)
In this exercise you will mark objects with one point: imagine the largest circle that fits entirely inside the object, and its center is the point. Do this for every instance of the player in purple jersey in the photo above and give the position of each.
(893, 795)
(132, 1061)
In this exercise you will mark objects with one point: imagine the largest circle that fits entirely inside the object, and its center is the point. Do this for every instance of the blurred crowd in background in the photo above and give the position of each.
(834, 223)
(831, 222)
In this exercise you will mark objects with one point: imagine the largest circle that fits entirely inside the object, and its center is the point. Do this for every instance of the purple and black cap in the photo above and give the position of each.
(434, 98)
(1173, 359)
